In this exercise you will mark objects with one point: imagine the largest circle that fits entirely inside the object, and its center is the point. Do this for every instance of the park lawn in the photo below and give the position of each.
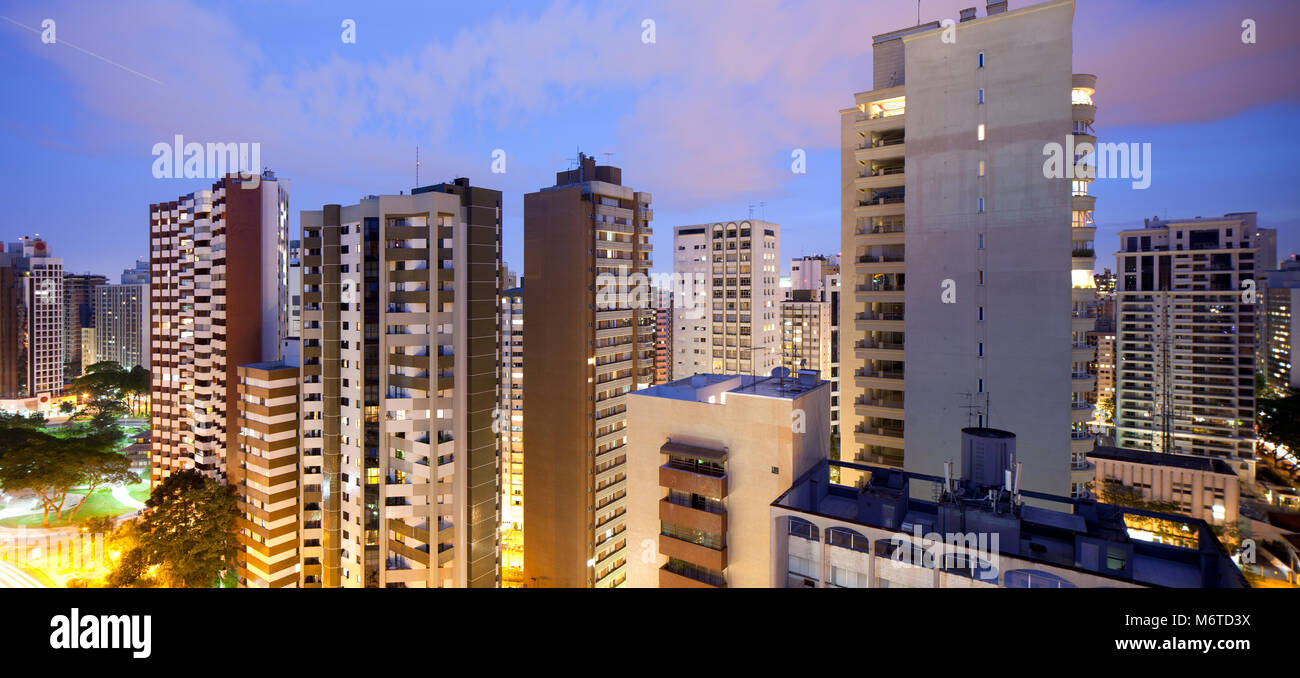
(100, 504)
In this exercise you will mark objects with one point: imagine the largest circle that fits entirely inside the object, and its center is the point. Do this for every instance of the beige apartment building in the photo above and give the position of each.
(400, 360)
(1203, 487)
(731, 324)
(1185, 346)
(958, 247)
(806, 333)
(218, 298)
(590, 343)
(510, 426)
(707, 456)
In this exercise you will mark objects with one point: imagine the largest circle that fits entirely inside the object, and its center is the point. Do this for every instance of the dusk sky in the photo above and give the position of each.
(705, 118)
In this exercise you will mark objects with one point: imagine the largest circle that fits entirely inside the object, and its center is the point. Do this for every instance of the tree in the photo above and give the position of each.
(50, 466)
(101, 468)
(189, 528)
(1106, 406)
(1279, 420)
(41, 463)
(1114, 492)
(33, 422)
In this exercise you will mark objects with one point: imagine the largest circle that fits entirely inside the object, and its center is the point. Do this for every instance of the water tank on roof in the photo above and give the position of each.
(986, 456)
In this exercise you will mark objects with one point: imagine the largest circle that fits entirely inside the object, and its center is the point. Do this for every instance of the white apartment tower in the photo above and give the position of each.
(40, 286)
(122, 324)
(958, 246)
(729, 324)
(1185, 345)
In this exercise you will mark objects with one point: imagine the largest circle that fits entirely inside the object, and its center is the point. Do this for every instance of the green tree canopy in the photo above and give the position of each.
(189, 528)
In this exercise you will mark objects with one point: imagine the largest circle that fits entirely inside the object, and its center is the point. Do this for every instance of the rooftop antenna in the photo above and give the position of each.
(762, 207)
(918, 12)
(417, 164)
(751, 210)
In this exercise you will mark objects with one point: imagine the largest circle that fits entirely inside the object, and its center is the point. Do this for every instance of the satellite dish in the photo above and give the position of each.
(780, 372)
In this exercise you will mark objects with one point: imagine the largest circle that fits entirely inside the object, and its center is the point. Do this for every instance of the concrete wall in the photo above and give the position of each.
(1026, 229)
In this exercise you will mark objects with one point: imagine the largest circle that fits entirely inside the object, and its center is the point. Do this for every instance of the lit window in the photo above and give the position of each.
(980, 132)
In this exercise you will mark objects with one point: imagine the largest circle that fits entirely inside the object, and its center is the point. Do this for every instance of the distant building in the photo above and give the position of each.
(806, 333)
(138, 275)
(78, 312)
(1204, 488)
(1279, 345)
(731, 326)
(510, 425)
(121, 329)
(32, 348)
(1185, 346)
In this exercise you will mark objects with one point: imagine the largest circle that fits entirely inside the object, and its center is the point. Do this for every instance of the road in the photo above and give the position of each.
(14, 578)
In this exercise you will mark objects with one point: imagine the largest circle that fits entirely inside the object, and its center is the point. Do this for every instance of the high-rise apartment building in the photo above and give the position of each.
(806, 333)
(731, 323)
(986, 281)
(510, 425)
(31, 320)
(1185, 346)
(708, 454)
(590, 342)
(121, 327)
(831, 293)
(662, 300)
(295, 288)
(400, 360)
(78, 312)
(1279, 344)
(217, 299)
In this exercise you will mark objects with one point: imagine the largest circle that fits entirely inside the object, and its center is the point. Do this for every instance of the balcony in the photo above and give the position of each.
(676, 476)
(682, 575)
(694, 516)
(691, 552)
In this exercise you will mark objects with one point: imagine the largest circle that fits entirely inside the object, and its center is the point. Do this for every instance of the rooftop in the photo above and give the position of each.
(710, 387)
(1062, 536)
(1161, 459)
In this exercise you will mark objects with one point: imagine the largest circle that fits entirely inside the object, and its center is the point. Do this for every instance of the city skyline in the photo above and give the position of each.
(709, 126)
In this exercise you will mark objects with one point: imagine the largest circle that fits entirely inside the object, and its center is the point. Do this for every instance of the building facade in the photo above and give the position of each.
(400, 360)
(731, 325)
(590, 343)
(31, 320)
(265, 472)
(121, 328)
(78, 312)
(707, 455)
(966, 277)
(1279, 344)
(1185, 346)
(217, 298)
(1204, 488)
(510, 424)
(981, 531)
(806, 333)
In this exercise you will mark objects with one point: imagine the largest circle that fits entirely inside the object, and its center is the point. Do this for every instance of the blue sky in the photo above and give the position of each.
(704, 118)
